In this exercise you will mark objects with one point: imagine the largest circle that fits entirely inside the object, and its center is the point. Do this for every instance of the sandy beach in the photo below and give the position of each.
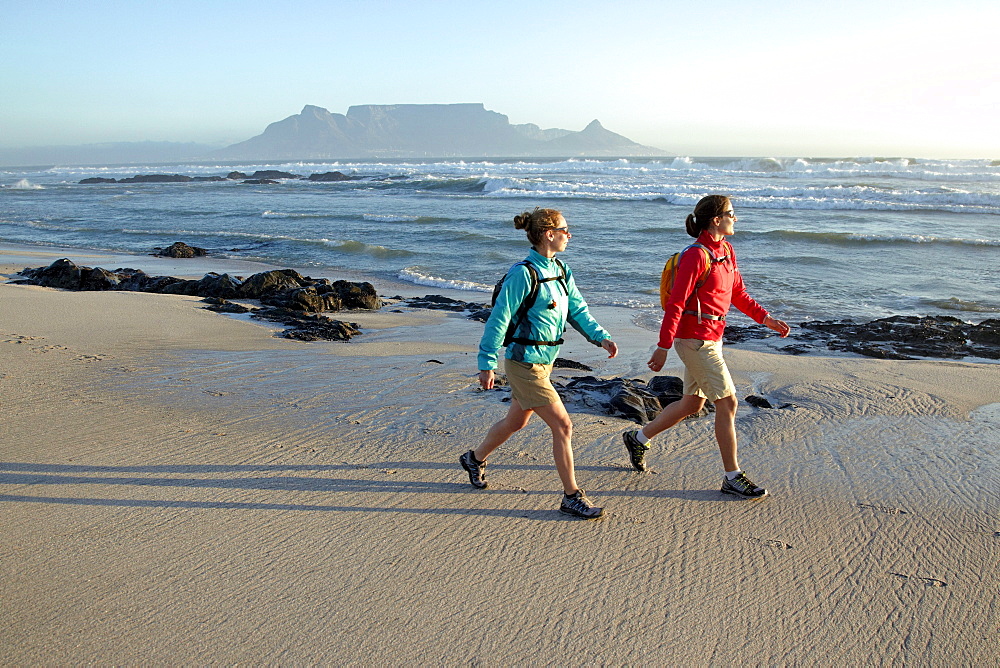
(183, 487)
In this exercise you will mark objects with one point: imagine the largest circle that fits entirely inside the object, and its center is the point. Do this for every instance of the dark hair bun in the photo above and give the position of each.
(691, 224)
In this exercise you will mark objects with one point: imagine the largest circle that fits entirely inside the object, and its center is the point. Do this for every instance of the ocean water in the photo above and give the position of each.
(856, 238)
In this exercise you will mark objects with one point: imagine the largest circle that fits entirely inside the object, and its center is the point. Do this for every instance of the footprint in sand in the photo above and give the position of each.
(47, 349)
(92, 358)
(888, 510)
(916, 579)
(770, 542)
(18, 338)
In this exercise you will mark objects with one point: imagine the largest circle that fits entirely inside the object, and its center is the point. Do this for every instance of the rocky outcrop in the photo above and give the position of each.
(291, 298)
(273, 174)
(897, 337)
(332, 176)
(156, 178)
(633, 399)
(267, 283)
(181, 250)
(909, 337)
(306, 327)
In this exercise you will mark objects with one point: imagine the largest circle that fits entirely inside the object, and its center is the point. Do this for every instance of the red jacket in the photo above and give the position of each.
(724, 286)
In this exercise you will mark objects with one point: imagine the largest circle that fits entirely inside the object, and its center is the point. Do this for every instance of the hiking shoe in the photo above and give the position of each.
(636, 450)
(476, 469)
(579, 505)
(742, 486)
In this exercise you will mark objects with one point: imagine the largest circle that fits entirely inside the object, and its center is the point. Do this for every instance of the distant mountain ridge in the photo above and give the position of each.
(367, 131)
(423, 131)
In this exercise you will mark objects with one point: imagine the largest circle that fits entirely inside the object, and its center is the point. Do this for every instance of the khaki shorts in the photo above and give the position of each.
(705, 372)
(530, 384)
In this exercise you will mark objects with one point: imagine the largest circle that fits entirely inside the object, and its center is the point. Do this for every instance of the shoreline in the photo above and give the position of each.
(12, 255)
(15, 257)
(179, 486)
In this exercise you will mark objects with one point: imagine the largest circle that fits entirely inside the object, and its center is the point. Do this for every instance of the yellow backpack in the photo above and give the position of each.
(670, 273)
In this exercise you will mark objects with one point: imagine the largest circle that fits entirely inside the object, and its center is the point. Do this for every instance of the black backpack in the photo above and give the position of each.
(528, 302)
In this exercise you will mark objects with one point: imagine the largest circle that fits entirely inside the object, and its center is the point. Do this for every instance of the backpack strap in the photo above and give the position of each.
(712, 261)
(529, 301)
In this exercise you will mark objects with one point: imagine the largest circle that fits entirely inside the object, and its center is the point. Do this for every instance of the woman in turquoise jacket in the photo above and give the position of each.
(533, 347)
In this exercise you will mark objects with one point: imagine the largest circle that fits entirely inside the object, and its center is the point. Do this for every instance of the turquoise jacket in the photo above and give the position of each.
(542, 323)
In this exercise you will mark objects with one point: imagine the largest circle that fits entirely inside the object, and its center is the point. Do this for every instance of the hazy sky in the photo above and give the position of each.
(741, 77)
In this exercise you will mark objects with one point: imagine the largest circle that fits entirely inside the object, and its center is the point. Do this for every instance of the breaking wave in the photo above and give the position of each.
(416, 276)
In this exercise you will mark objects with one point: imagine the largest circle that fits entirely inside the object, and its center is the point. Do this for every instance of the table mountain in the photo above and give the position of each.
(422, 131)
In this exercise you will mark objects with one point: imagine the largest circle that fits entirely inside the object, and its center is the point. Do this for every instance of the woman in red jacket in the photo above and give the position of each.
(693, 322)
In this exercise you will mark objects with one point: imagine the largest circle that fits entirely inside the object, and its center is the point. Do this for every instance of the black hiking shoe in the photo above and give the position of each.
(476, 469)
(578, 505)
(636, 450)
(742, 486)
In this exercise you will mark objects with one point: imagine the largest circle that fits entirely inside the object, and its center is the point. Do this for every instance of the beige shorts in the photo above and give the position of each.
(530, 384)
(705, 372)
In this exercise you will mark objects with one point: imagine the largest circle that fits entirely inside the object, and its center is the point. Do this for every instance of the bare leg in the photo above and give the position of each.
(689, 404)
(725, 431)
(558, 420)
(514, 421)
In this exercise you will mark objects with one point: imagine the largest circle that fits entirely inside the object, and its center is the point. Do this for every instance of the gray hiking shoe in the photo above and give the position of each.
(476, 469)
(636, 450)
(742, 486)
(579, 505)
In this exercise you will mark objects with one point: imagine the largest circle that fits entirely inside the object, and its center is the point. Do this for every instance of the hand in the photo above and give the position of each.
(611, 347)
(658, 359)
(780, 326)
(486, 379)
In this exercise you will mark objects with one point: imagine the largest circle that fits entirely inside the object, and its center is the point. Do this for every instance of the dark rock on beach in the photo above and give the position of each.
(441, 303)
(219, 286)
(897, 337)
(632, 399)
(761, 402)
(909, 337)
(225, 306)
(563, 363)
(473, 310)
(271, 282)
(758, 402)
(294, 299)
(358, 295)
(309, 299)
(96, 179)
(181, 250)
(304, 327)
(738, 333)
